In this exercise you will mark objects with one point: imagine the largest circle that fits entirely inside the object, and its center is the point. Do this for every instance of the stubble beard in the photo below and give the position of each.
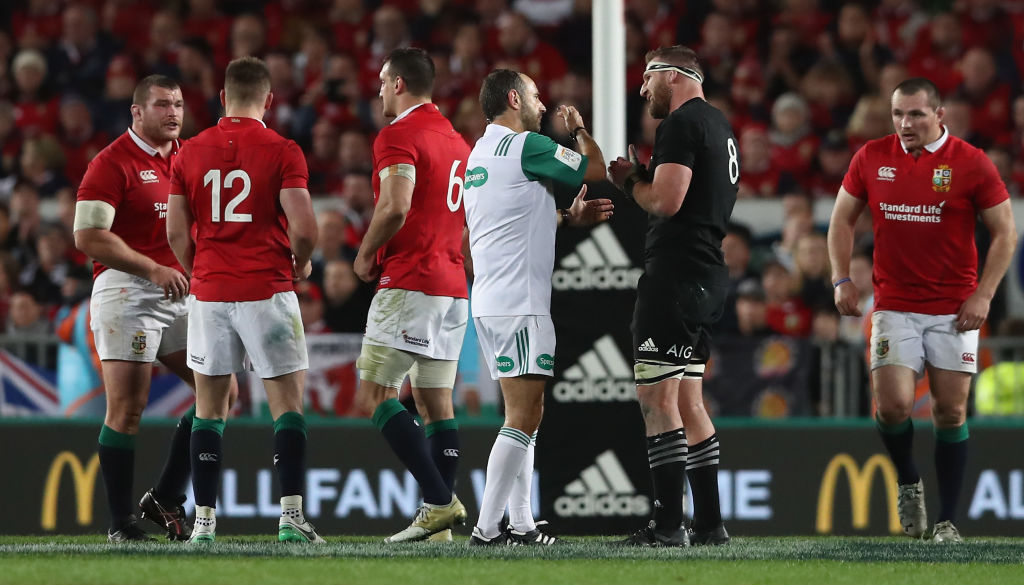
(660, 103)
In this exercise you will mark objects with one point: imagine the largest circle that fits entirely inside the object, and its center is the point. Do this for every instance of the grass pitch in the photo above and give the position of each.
(358, 560)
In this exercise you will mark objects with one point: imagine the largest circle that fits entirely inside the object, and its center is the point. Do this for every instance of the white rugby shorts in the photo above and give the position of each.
(411, 321)
(516, 346)
(911, 339)
(132, 321)
(221, 334)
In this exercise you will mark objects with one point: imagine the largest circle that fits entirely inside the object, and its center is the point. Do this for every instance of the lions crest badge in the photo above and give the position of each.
(942, 177)
(139, 342)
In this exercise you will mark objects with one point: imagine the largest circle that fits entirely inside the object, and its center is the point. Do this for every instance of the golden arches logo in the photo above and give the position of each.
(85, 484)
(860, 491)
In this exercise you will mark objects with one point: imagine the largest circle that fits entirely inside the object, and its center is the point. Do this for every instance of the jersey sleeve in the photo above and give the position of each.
(543, 158)
(103, 181)
(853, 182)
(294, 173)
(389, 149)
(677, 141)
(991, 190)
(178, 173)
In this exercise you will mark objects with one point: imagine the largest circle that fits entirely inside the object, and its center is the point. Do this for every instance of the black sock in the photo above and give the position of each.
(950, 462)
(666, 454)
(407, 441)
(702, 470)
(899, 441)
(117, 462)
(444, 448)
(206, 442)
(174, 479)
(290, 453)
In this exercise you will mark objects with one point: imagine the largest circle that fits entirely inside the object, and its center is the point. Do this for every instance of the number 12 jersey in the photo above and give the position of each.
(232, 176)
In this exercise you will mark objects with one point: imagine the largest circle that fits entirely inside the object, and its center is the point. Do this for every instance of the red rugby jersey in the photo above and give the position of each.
(426, 254)
(133, 178)
(232, 175)
(923, 214)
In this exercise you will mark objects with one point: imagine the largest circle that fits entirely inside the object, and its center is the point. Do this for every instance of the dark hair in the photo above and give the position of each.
(246, 81)
(416, 69)
(916, 84)
(141, 95)
(494, 91)
(740, 231)
(676, 55)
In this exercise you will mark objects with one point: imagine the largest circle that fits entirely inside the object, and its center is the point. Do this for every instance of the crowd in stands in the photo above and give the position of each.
(804, 82)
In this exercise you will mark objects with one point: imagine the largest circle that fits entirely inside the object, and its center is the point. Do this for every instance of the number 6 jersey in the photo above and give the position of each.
(426, 254)
(232, 175)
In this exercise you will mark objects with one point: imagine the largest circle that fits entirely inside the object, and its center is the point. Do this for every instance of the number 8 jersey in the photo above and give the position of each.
(426, 254)
(232, 175)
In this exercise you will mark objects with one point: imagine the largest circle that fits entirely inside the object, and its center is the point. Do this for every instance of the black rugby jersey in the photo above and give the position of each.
(689, 243)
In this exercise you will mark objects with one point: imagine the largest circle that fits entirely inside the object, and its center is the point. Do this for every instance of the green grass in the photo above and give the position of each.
(252, 560)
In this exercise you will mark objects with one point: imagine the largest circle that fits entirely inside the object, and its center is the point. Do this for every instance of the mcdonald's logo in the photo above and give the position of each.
(860, 491)
(85, 484)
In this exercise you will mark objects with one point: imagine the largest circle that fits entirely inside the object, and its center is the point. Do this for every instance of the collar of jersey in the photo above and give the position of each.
(409, 111)
(142, 144)
(242, 119)
(931, 147)
(495, 127)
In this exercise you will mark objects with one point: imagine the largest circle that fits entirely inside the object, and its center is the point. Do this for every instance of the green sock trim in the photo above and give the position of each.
(441, 425)
(190, 414)
(291, 420)
(208, 424)
(953, 435)
(895, 429)
(111, 438)
(385, 411)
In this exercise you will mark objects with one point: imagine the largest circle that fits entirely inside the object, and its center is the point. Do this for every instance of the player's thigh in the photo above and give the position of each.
(127, 323)
(897, 339)
(946, 348)
(284, 392)
(214, 347)
(518, 346)
(383, 366)
(126, 385)
(175, 334)
(272, 334)
(418, 323)
(671, 328)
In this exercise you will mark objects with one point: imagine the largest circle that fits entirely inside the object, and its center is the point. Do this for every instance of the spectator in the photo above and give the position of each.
(42, 164)
(332, 244)
(26, 318)
(346, 300)
(796, 223)
(938, 45)
(311, 307)
(248, 36)
(989, 98)
(25, 220)
(812, 270)
(660, 21)
(79, 61)
(870, 120)
(523, 51)
(759, 178)
(350, 23)
(199, 88)
(354, 152)
(1003, 162)
(357, 193)
(829, 92)
(833, 160)
(958, 119)
(751, 310)
(281, 114)
(896, 25)
(469, 120)
(793, 143)
(390, 31)
(38, 25)
(785, 312)
(718, 55)
(10, 146)
(788, 61)
(35, 110)
(78, 137)
(44, 274)
(205, 21)
(747, 94)
(115, 110)
(891, 75)
(466, 63)
(857, 48)
(736, 251)
(121, 19)
(322, 158)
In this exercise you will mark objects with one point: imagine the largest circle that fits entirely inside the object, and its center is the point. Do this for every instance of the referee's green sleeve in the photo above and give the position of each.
(543, 158)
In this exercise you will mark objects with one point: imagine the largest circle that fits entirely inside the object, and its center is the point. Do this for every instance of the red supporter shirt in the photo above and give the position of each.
(426, 254)
(923, 213)
(232, 175)
(133, 178)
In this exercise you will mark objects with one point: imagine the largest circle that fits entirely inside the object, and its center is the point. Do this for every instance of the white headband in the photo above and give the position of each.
(662, 66)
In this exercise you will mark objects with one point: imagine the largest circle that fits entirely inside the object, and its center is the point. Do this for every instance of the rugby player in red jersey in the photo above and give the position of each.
(243, 188)
(924, 189)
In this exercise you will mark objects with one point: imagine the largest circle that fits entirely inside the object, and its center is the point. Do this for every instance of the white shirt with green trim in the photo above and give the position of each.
(510, 211)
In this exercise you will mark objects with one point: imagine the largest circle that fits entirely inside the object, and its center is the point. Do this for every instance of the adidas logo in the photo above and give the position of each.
(599, 375)
(648, 345)
(603, 489)
(599, 263)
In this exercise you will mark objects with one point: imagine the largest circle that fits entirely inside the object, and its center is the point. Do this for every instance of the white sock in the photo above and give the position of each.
(503, 465)
(520, 501)
(291, 506)
(206, 516)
